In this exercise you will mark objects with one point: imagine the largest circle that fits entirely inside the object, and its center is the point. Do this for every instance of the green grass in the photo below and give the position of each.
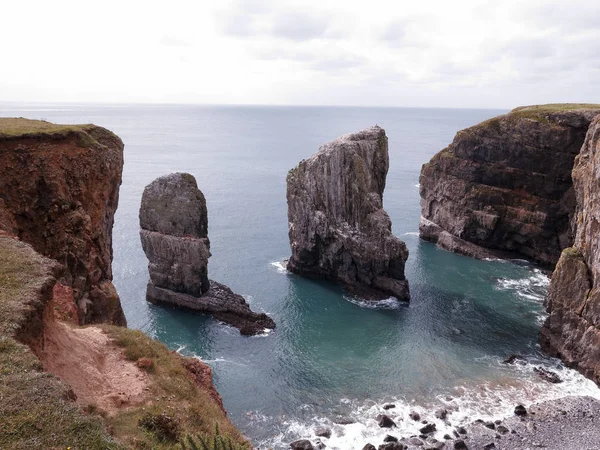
(35, 407)
(556, 107)
(571, 252)
(18, 127)
(173, 394)
(12, 128)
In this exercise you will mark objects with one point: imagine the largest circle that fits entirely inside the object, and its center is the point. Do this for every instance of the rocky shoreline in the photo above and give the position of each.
(569, 423)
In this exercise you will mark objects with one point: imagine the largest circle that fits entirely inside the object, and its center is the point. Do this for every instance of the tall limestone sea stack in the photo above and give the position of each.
(174, 234)
(504, 187)
(572, 331)
(338, 228)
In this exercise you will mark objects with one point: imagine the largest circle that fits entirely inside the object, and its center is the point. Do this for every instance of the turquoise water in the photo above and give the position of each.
(331, 356)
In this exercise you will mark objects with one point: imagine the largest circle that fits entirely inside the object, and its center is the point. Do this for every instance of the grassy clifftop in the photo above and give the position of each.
(38, 410)
(35, 407)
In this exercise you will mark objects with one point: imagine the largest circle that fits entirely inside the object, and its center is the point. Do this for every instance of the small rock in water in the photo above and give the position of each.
(461, 430)
(390, 438)
(301, 444)
(502, 429)
(369, 447)
(447, 437)
(497, 421)
(547, 375)
(429, 428)
(520, 411)
(511, 359)
(441, 414)
(415, 441)
(490, 425)
(489, 446)
(392, 446)
(323, 432)
(319, 444)
(389, 406)
(385, 421)
(460, 445)
(344, 421)
(415, 416)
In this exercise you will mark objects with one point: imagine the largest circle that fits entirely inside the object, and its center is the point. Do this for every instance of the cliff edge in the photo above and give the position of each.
(63, 385)
(338, 229)
(504, 188)
(572, 330)
(59, 190)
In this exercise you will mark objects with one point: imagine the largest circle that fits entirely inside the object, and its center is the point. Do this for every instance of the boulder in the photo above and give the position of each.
(323, 432)
(520, 410)
(301, 444)
(174, 234)
(338, 229)
(385, 421)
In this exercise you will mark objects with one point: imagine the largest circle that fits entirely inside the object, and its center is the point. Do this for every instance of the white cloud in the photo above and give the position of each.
(474, 53)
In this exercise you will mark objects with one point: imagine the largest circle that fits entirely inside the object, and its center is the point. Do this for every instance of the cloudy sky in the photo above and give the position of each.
(299, 52)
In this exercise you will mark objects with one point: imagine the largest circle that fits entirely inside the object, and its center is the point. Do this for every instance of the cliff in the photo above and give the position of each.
(338, 229)
(572, 330)
(59, 190)
(504, 188)
(62, 385)
(174, 234)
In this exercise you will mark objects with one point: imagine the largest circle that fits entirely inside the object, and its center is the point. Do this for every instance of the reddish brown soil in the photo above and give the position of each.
(93, 366)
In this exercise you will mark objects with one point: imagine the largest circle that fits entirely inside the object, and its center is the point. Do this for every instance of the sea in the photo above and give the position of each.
(333, 360)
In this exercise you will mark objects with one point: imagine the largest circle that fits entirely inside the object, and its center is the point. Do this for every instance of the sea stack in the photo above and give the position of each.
(338, 228)
(174, 233)
(572, 330)
(503, 188)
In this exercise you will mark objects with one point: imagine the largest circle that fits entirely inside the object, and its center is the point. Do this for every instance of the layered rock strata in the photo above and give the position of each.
(59, 189)
(174, 234)
(338, 229)
(504, 188)
(572, 330)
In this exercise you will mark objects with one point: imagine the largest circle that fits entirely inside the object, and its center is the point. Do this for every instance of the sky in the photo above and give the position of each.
(467, 54)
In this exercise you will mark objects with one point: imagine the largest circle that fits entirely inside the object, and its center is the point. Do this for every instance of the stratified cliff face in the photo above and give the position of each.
(572, 331)
(174, 234)
(59, 189)
(504, 186)
(338, 228)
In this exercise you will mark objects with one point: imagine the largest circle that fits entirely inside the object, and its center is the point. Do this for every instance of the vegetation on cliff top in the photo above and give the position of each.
(35, 406)
(87, 135)
(178, 407)
(37, 409)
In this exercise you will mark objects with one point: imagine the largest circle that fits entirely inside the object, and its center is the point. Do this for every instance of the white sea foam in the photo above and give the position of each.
(418, 185)
(279, 266)
(388, 303)
(411, 233)
(530, 288)
(486, 401)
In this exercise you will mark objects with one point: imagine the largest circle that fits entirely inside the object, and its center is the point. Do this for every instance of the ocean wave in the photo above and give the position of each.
(486, 401)
(411, 233)
(531, 288)
(388, 303)
(279, 266)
